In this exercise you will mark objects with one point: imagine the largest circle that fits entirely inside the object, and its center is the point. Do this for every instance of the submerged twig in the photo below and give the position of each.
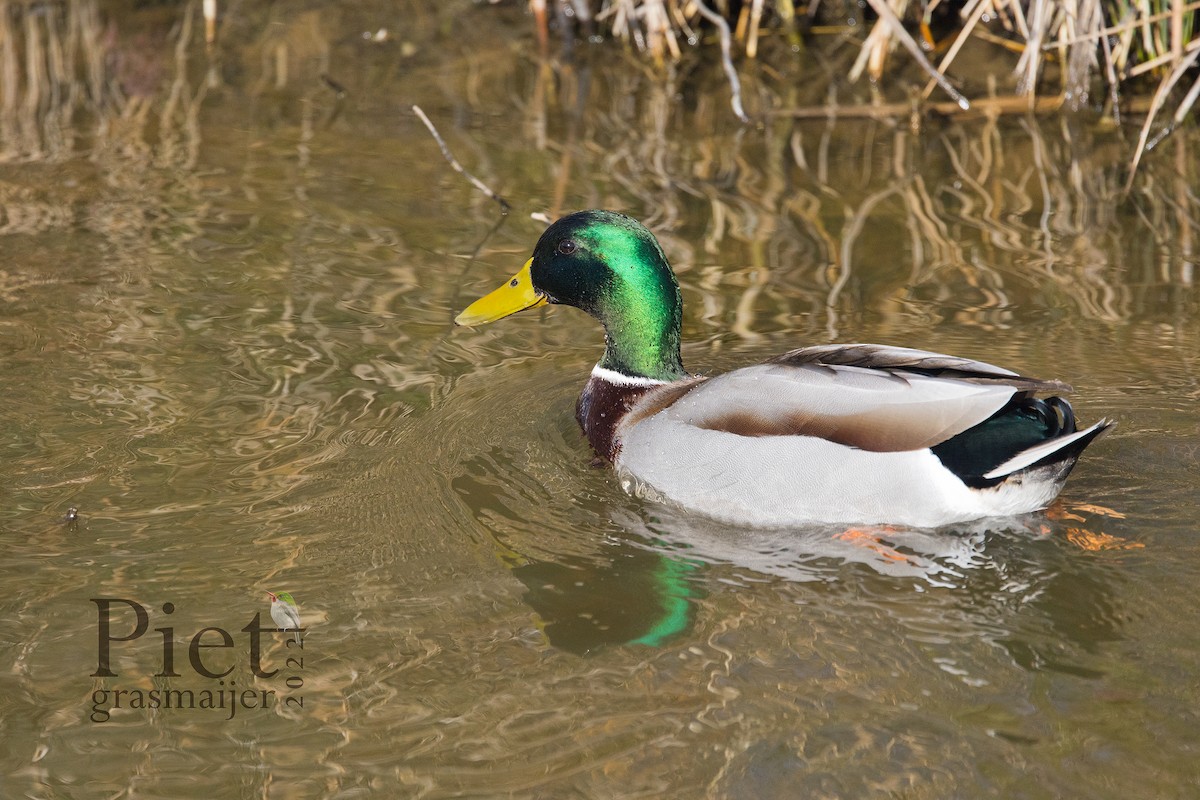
(735, 85)
(983, 106)
(885, 13)
(478, 184)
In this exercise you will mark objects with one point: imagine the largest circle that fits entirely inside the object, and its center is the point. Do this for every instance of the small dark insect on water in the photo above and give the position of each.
(71, 518)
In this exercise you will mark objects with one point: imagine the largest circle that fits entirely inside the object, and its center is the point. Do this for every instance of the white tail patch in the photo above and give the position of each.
(1036, 453)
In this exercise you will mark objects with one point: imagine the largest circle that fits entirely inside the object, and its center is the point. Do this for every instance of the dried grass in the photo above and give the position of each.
(1063, 51)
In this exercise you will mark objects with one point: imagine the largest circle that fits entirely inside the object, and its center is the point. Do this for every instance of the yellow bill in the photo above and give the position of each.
(516, 295)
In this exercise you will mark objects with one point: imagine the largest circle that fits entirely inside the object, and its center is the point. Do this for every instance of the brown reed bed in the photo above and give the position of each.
(1041, 55)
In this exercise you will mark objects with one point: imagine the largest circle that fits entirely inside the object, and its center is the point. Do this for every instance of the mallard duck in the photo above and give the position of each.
(839, 433)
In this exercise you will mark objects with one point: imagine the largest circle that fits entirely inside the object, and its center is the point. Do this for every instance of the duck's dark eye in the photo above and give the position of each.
(566, 247)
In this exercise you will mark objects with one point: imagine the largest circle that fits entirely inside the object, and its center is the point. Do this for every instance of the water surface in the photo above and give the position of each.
(226, 296)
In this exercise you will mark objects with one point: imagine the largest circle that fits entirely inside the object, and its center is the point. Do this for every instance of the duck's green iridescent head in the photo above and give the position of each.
(610, 266)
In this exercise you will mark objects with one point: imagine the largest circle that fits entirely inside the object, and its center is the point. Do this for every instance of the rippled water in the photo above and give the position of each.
(227, 291)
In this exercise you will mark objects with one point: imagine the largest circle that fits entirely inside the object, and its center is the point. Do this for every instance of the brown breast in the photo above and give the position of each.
(604, 404)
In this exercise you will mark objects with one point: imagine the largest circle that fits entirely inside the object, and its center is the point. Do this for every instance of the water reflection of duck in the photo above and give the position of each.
(589, 592)
(833, 433)
(634, 597)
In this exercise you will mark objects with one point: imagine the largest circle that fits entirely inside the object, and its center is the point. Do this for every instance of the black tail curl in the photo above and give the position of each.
(1055, 412)
(1023, 423)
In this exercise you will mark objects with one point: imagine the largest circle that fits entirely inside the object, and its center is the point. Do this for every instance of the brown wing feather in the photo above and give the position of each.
(877, 410)
(876, 431)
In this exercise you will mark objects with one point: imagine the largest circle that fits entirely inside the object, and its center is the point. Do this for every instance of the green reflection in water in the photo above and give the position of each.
(634, 597)
(676, 617)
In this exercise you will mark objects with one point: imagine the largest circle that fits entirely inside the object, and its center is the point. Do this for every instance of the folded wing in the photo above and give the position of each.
(907, 359)
(876, 398)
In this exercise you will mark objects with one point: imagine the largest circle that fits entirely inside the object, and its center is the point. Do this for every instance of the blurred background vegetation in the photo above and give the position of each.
(1004, 55)
(844, 124)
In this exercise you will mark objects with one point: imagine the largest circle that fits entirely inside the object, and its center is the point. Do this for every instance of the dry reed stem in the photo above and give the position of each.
(756, 11)
(1176, 29)
(1123, 27)
(1081, 58)
(885, 12)
(1185, 106)
(735, 84)
(1165, 58)
(1164, 88)
(873, 51)
(457, 167)
(1030, 62)
(977, 12)
(1075, 29)
(210, 23)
